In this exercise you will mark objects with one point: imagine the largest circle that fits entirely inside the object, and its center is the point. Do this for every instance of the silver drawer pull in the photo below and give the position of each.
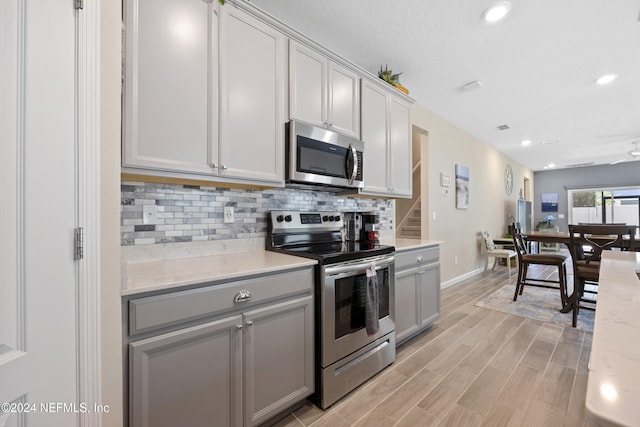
(420, 259)
(249, 322)
(242, 296)
(238, 326)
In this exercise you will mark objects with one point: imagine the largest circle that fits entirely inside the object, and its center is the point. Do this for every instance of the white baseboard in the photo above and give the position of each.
(459, 279)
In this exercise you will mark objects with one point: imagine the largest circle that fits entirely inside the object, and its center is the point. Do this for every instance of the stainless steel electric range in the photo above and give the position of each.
(346, 354)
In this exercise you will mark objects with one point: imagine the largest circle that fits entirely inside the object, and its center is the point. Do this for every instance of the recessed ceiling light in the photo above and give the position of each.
(496, 12)
(526, 142)
(552, 165)
(606, 79)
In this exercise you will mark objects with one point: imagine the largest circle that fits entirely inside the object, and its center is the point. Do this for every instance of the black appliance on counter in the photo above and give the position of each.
(346, 355)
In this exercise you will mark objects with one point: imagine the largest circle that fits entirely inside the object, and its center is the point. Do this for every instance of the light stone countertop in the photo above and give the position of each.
(175, 266)
(156, 267)
(403, 244)
(613, 387)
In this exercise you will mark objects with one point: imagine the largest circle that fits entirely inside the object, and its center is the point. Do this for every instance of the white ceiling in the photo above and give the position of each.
(537, 67)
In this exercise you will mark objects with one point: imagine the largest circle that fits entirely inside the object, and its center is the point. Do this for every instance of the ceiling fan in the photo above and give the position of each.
(635, 154)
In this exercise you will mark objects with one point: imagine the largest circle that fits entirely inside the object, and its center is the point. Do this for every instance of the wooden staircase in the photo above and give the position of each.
(411, 227)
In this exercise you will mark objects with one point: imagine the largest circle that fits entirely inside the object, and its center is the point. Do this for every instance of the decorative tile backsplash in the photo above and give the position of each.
(188, 213)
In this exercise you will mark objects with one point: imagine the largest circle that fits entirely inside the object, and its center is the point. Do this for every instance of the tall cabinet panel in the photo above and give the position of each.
(252, 87)
(386, 133)
(400, 147)
(168, 89)
(374, 135)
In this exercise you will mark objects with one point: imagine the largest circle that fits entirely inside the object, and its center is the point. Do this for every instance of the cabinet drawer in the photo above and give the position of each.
(414, 257)
(150, 313)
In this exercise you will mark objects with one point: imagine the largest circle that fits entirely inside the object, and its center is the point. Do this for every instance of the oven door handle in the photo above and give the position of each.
(359, 266)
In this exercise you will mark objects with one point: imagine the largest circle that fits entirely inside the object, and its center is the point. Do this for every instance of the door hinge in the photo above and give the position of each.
(78, 252)
(79, 4)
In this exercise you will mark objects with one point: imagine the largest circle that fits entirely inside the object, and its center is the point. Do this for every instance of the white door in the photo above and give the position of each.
(37, 214)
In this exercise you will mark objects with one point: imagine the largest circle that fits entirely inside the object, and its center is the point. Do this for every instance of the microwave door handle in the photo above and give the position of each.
(352, 157)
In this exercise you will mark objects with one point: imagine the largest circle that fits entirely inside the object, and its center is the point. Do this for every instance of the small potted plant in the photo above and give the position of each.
(393, 79)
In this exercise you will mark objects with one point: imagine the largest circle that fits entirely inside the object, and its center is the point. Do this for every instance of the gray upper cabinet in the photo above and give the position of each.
(386, 133)
(323, 92)
(205, 92)
(170, 95)
(252, 98)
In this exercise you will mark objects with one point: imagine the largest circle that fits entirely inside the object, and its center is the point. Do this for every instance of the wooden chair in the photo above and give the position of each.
(490, 250)
(586, 264)
(526, 259)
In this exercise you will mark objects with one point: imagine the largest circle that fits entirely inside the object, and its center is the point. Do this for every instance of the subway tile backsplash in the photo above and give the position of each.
(188, 213)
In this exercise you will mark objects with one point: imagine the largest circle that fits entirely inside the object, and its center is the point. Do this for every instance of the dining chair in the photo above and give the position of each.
(586, 247)
(490, 250)
(526, 259)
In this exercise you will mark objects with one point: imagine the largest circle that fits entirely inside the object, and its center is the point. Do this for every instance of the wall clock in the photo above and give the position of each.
(508, 180)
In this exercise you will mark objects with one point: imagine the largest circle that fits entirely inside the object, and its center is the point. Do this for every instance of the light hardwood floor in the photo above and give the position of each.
(474, 367)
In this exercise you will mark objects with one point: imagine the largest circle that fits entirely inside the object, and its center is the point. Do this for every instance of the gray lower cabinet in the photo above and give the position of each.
(417, 291)
(188, 376)
(240, 368)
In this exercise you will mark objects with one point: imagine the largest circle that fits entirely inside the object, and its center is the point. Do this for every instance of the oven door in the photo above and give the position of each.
(342, 309)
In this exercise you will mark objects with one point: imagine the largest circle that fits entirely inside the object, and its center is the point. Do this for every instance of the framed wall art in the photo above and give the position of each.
(462, 187)
(549, 202)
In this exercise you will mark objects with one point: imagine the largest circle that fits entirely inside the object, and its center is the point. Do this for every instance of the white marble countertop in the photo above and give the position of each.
(151, 275)
(613, 388)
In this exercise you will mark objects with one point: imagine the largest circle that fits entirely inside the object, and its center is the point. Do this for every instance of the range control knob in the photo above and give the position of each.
(337, 218)
(280, 218)
(288, 218)
(325, 218)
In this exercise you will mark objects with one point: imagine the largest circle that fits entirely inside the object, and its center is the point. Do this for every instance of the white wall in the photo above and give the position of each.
(489, 206)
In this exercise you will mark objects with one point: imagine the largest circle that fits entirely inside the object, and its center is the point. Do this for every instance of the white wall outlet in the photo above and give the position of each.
(228, 214)
(434, 215)
(149, 214)
(455, 259)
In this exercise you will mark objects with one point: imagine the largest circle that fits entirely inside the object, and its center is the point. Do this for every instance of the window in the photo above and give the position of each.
(605, 206)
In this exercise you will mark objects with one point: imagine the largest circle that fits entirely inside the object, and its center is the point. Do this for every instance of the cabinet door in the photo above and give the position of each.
(407, 317)
(307, 85)
(344, 100)
(189, 377)
(252, 92)
(429, 294)
(374, 136)
(400, 147)
(170, 96)
(279, 358)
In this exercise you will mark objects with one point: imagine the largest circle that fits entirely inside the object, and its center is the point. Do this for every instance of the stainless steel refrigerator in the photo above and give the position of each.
(524, 215)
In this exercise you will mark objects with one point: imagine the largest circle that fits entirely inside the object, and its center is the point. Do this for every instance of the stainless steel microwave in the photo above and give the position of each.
(321, 156)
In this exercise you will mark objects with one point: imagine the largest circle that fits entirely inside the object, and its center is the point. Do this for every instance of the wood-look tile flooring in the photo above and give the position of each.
(474, 367)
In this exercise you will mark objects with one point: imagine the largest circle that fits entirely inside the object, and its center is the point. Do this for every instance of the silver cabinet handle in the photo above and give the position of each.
(249, 322)
(242, 296)
(238, 326)
(214, 165)
(420, 259)
(224, 167)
